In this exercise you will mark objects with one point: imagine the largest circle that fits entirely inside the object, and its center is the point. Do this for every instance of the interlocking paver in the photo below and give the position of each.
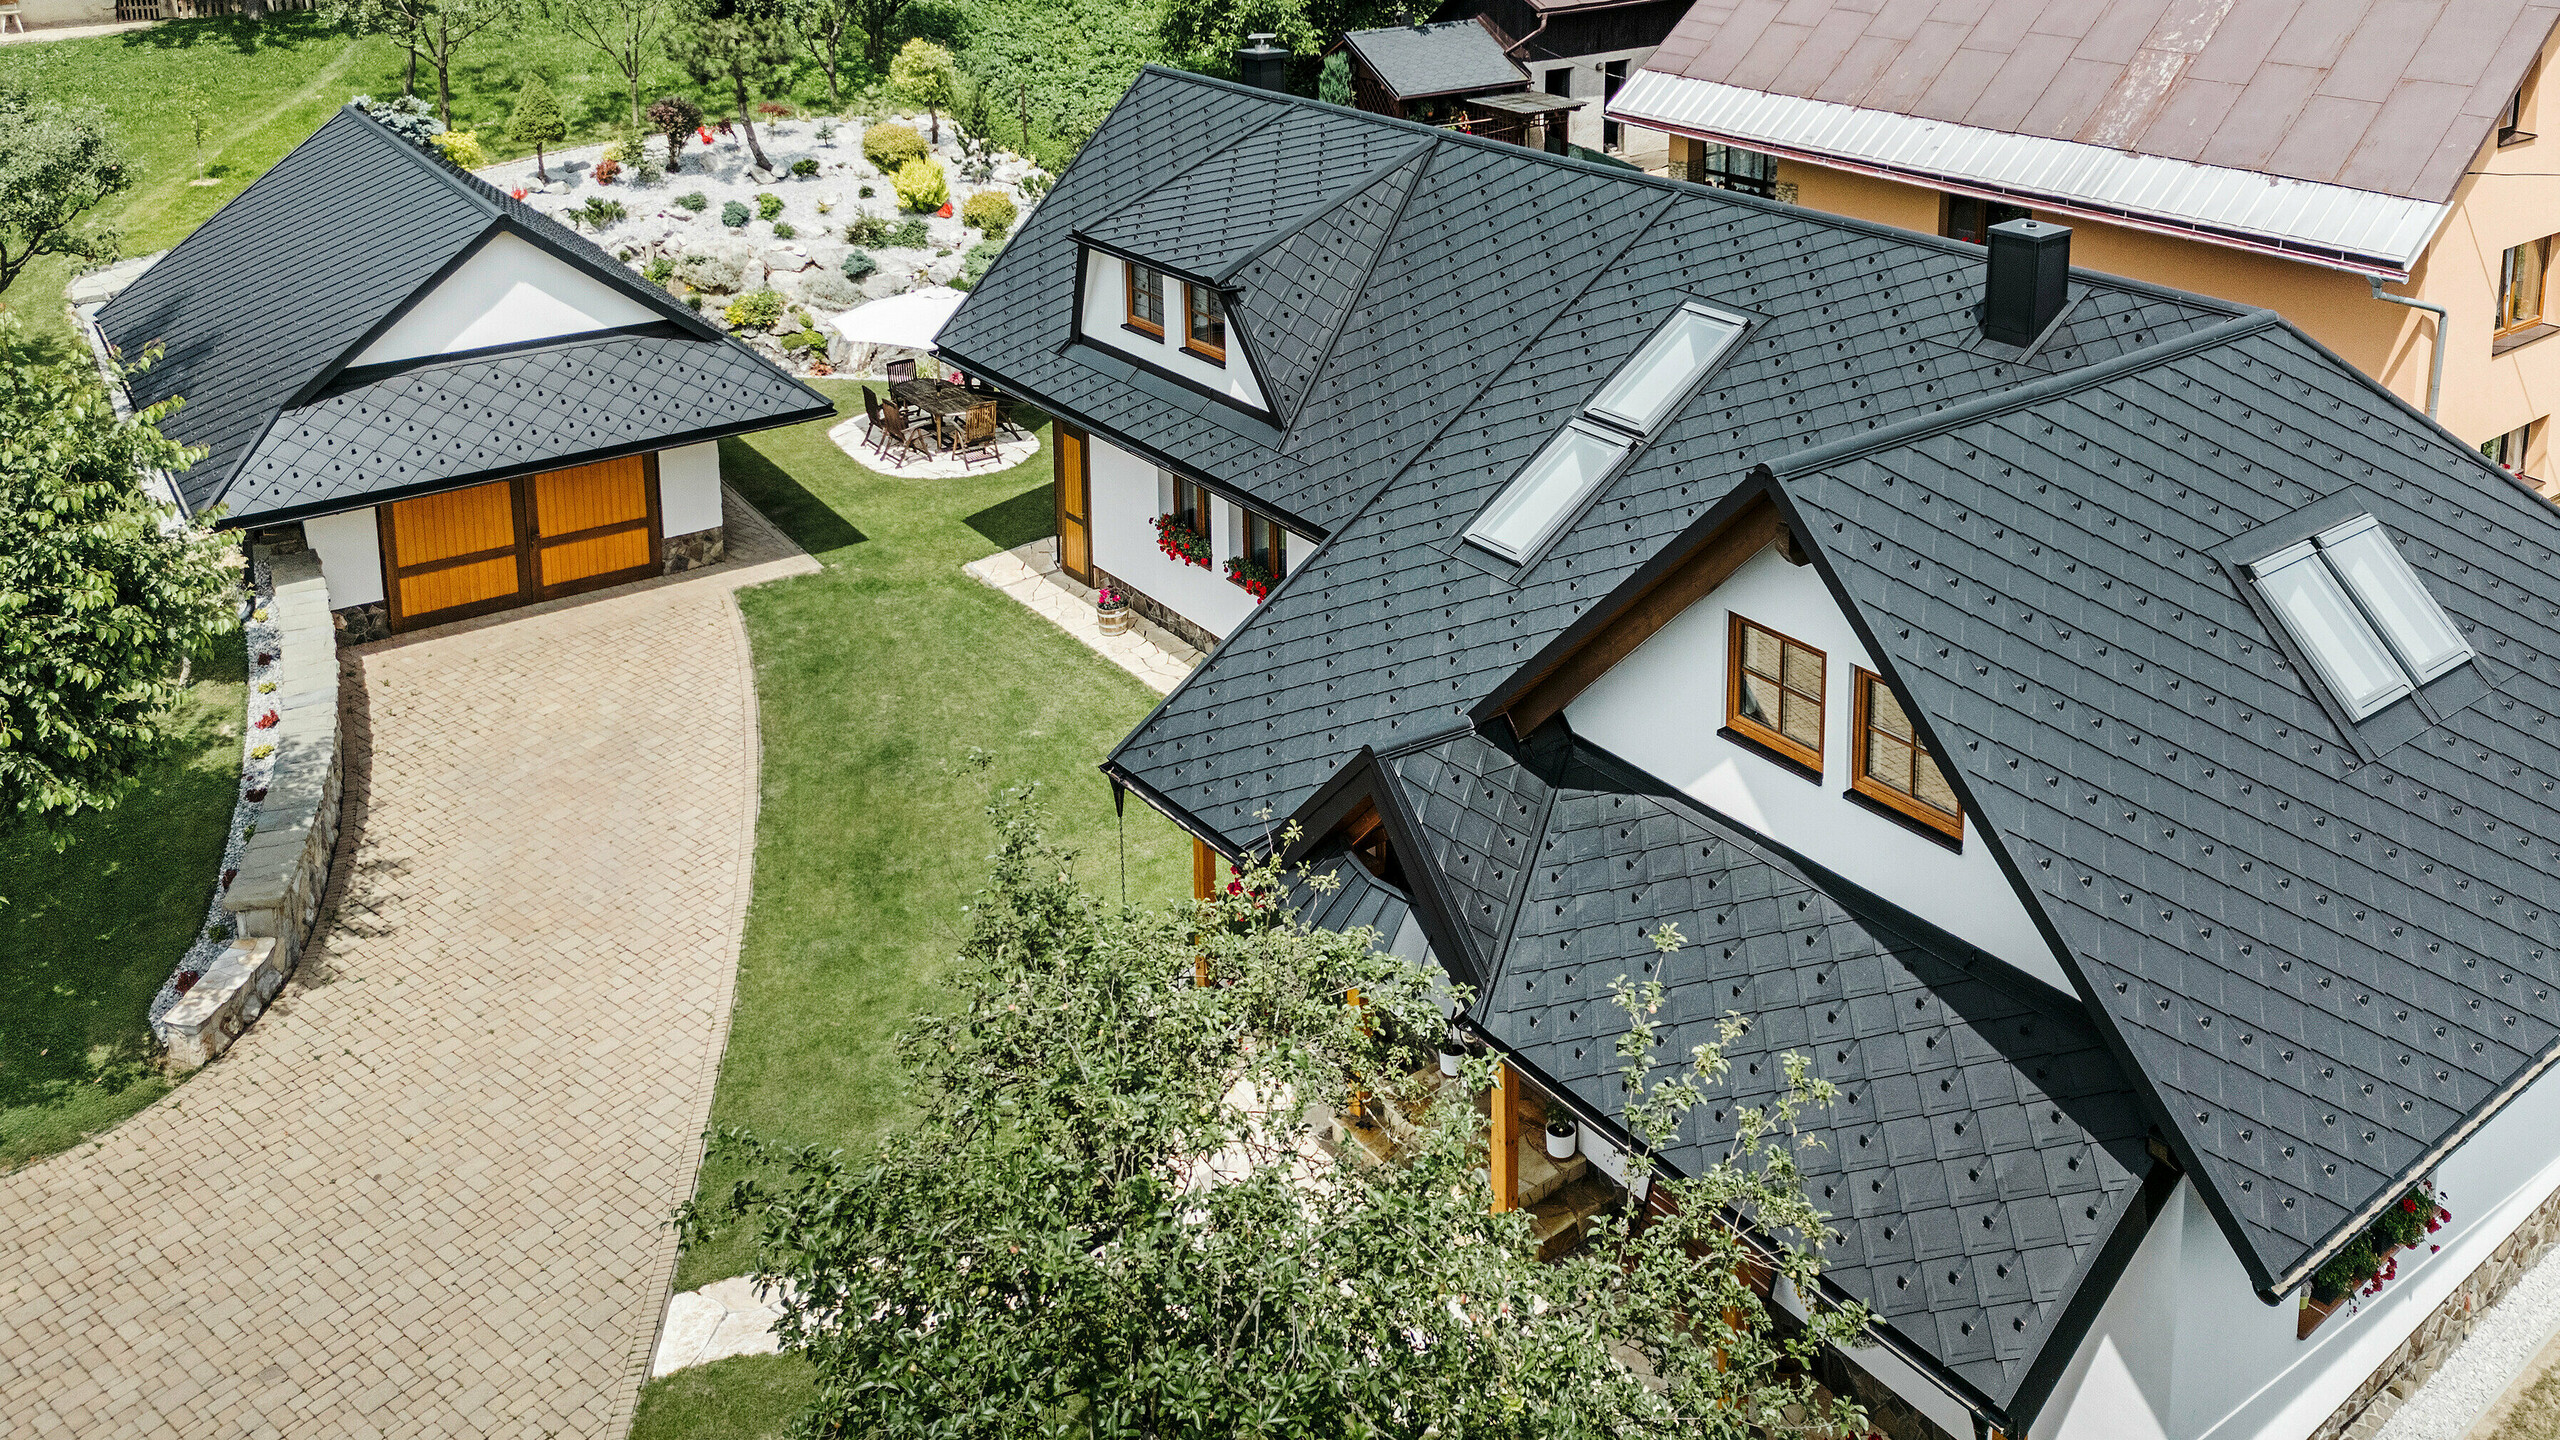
(426, 1195)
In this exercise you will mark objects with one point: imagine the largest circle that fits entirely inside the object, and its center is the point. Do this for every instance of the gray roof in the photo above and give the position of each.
(1440, 57)
(2395, 98)
(263, 306)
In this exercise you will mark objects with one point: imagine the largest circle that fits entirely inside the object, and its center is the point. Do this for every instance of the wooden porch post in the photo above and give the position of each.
(1506, 1139)
(1204, 883)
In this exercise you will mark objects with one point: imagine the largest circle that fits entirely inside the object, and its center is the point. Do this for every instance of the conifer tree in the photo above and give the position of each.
(538, 123)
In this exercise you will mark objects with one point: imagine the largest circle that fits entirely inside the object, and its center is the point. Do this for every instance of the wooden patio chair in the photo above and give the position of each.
(977, 434)
(871, 410)
(894, 426)
(901, 370)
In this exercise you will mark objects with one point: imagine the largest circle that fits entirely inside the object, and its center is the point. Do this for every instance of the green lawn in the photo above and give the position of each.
(875, 679)
(88, 935)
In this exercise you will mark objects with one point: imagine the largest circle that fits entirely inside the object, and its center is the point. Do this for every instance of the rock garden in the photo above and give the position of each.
(849, 211)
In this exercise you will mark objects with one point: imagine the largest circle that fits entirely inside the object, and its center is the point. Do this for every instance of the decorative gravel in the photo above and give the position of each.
(720, 262)
(261, 637)
(2502, 1342)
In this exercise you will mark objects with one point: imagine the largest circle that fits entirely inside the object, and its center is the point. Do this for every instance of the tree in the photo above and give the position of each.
(922, 75)
(1333, 86)
(727, 44)
(823, 27)
(537, 122)
(1109, 1216)
(56, 165)
(434, 29)
(406, 116)
(1204, 35)
(195, 108)
(620, 30)
(104, 593)
(675, 117)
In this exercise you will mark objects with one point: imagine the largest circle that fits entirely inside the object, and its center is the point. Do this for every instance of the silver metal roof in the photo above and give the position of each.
(2333, 225)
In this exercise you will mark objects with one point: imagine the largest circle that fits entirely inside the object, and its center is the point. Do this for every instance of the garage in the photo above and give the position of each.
(490, 547)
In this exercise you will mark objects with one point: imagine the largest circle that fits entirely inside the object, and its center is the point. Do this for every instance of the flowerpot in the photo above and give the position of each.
(1117, 622)
(1450, 1061)
(1563, 1138)
(2312, 1313)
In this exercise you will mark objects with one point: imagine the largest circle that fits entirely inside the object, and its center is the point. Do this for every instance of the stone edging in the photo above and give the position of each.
(2436, 1337)
(275, 897)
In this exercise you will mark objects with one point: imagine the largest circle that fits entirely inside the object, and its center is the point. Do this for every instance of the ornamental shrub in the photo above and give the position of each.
(910, 235)
(768, 205)
(697, 202)
(720, 265)
(920, 187)
(659, 270)
(973, 267)
(892, 146)
(782, 230)
(754, 310)
(463, 148)
(992, 211)
(804, 167)
(733, 214)
(804, 340)
(606, 169)
(859, 266)
(827, 290)
(867, 230)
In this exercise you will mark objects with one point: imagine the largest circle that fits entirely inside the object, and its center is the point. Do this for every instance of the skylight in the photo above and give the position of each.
(2352, 603)
(1635, 401)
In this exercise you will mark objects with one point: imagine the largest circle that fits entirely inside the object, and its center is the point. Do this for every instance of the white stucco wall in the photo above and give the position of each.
(1105, 323)
(349, 545)
(2185, 1350)
(1660, 708)
(689, 488)
(507, 293)
(1650, 149)
(1128, 495)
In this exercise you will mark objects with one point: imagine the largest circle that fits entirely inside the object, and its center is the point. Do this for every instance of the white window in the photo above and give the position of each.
(1531, 507)
(2355, 607)
(1643, 391)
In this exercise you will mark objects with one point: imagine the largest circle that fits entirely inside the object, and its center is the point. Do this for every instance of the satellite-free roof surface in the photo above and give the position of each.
(2318, 962)
(1439, 57)
(261, 308)
(2393, 96)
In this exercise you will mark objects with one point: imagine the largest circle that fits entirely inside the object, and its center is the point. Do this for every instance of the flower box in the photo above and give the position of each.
(1180, 542)
(2371, 1260)
(1252, 579)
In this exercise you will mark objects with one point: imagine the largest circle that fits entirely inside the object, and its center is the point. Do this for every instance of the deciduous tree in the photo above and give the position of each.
(675, 117)
(732, 46)
(57, 165)
(1109, 1217)
(824, 27)
(537, 122)
(620, 30)
(921, 75)
(436, 30)
(104, 591)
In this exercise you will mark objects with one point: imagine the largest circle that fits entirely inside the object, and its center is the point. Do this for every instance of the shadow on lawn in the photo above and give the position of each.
(285, 29)
(1018, 521)
(811, 523)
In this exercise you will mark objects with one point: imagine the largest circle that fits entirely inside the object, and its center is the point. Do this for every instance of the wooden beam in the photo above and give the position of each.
(1505, 1155)
(1204, 870)
(1714, 562)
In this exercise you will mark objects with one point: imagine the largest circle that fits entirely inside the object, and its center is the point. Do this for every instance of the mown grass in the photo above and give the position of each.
(745, 1397)
(88, 933)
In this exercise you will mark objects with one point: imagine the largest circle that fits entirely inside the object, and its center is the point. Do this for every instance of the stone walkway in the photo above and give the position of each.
(1029, 573)
(427, 1194)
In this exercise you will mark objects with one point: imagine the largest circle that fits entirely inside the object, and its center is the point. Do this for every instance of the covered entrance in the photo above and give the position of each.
(512, 542)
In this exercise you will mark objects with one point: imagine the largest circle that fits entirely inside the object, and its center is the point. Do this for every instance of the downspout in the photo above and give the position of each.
(2435, 369)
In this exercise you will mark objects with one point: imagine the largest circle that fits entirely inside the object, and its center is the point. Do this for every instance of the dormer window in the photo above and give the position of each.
(2349, 599)
(1204, 319)
(1146, 300)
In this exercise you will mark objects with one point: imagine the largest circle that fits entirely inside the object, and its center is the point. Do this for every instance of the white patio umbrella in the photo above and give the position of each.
(901, 322)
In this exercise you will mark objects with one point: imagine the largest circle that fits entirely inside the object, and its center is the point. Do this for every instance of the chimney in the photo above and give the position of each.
(2026, 280)
(1262, 64)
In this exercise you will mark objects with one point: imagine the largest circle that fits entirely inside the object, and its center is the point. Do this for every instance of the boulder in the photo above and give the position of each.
(784, 258)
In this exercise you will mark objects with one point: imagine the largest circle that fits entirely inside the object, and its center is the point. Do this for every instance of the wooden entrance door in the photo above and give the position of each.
(511, 542)
(1075, 505)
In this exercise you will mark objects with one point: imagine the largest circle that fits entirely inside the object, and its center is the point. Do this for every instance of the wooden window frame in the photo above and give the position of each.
(1279, 566)
(1130, 272)
(1910, 807)
(1947, 207)
(2511, 129)
(2506, 327)
(1204, 518)
(1215, 354)
(1765, 736)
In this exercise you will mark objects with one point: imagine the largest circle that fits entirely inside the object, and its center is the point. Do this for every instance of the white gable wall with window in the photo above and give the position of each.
(1105, 323)
(1660, 709)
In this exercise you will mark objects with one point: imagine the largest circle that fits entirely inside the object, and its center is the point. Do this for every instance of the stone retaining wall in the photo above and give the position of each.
(2433, 1342)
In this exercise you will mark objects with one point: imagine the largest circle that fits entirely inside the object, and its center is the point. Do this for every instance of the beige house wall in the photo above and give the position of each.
(2512, 196)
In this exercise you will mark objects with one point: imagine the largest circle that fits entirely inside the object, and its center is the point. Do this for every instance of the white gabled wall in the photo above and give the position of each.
(1661, 706)
(509, 292)
(1105, 323)
(1128, 494)
(2185, 1350)
(689, 488)
(349, 545)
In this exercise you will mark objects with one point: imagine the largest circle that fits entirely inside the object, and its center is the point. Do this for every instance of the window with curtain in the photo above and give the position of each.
(2520, 277)
(1774, 692)
(1146, 299)
(1204, 323)
(1891, 766)
(1970, 218)
(1266, 545)
(1190, 503)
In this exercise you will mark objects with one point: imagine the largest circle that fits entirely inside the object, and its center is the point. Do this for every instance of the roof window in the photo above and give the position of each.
(2352, 603)
(1636, 400)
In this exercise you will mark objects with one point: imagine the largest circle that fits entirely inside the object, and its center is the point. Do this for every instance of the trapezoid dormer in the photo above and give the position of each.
(510, 292)
(1171, 325)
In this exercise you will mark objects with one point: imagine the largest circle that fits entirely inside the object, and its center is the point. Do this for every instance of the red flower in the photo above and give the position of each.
(704, 131)
(268, 720)
(944, 213)
(518, 193)
(1235, 887)
(2409, 1205)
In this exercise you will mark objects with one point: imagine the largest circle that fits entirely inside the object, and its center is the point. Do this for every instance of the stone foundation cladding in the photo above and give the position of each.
(693, 551)
(2433, 1342)
(1157, 611)
(362, 624)
(277, 892)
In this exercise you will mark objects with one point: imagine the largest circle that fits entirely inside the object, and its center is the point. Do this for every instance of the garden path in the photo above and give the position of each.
(427, 1195)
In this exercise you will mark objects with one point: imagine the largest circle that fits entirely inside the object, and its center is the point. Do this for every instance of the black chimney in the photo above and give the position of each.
(1263, 65)
(2027, 279)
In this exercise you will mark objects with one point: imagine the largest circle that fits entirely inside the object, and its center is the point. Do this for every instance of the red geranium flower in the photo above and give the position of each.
(268, 720)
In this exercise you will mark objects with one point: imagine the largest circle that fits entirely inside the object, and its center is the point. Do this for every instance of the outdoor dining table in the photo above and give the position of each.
(938, 398)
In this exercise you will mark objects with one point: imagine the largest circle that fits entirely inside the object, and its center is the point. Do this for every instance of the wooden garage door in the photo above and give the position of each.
(511, 542)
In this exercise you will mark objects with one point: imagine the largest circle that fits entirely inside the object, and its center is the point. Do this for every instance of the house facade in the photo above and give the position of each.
(2325, 160)
(2093, 723)
(1584, 50)
(459, 404)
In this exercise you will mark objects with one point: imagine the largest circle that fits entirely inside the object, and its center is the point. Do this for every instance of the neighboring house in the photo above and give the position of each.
(1584, 50)
(2295, 156)
(2103, 731)
(461, 405)
(1453, 73)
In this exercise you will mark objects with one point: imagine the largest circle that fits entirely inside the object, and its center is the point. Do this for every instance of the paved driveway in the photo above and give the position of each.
(426, 1195)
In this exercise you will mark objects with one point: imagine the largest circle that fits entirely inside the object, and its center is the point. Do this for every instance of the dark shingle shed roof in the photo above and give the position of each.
(1439, 57)
(264, 304)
